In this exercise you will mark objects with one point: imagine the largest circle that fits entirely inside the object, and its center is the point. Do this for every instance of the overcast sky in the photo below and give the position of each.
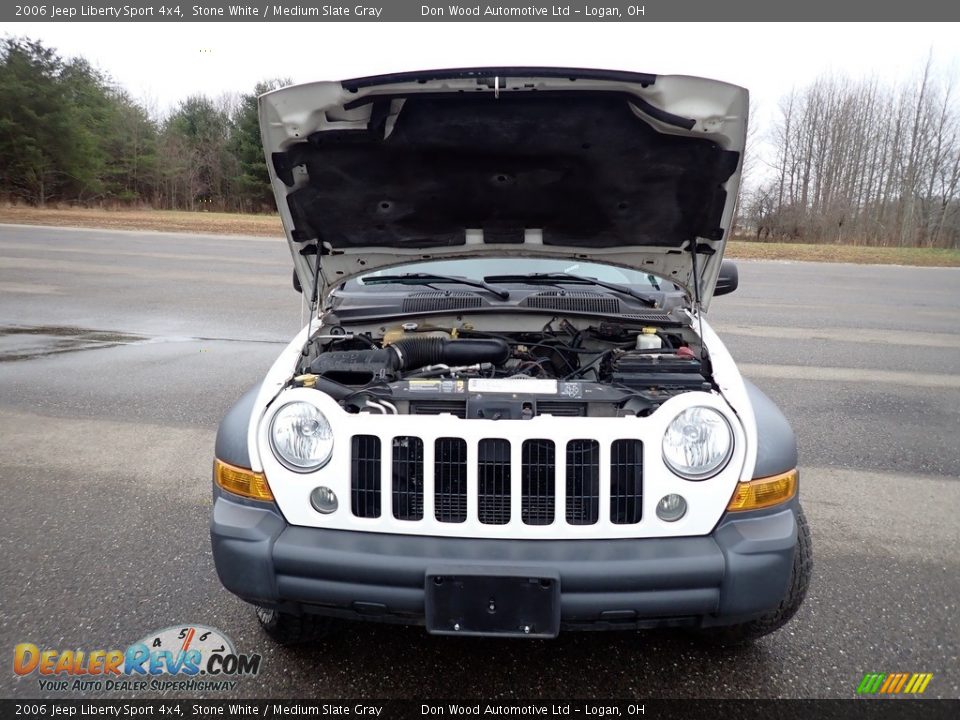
(163, 63)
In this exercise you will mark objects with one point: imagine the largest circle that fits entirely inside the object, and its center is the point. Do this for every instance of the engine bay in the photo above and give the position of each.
(598, 369)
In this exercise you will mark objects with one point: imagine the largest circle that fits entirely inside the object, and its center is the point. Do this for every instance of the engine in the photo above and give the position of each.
(601, 371)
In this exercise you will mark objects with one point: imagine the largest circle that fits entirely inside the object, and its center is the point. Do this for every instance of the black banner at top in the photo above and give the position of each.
(180, 709)
(603, 11)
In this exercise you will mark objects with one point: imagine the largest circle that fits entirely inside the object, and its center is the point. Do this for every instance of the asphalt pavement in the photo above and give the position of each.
(120, 351)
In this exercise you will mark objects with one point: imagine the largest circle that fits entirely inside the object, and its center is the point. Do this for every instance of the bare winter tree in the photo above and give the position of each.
(855, 161)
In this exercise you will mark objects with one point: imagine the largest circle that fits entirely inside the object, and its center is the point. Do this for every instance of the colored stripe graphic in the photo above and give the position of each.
(889, 682)
(894, 683)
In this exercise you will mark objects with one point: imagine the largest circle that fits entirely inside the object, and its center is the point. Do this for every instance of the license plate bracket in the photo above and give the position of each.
(515, 602)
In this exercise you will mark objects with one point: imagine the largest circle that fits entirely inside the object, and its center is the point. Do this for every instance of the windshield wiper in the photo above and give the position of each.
(556, 278)
(431, 279)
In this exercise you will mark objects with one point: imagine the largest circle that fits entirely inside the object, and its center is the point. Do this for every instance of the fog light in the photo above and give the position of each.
(671, 507)
(323, 499)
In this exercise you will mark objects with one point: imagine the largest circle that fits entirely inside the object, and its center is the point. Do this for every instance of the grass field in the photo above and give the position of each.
(269, 225)
(921, 257)
(161, 220)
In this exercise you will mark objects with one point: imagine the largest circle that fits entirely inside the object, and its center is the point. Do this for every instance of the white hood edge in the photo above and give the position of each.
(716, 111)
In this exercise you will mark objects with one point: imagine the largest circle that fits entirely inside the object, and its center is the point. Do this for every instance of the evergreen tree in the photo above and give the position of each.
(253, 182)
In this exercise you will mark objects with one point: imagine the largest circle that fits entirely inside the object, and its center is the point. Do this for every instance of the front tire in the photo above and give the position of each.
(791, 602)
(289, 629)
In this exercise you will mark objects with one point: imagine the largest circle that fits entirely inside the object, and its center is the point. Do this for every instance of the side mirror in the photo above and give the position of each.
(728, 279)
(296, 282)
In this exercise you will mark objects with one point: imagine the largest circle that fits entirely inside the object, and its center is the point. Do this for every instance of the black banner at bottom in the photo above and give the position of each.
(855, 709)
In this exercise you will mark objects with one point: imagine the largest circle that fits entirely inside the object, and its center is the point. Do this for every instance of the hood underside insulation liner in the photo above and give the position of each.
(582, 167)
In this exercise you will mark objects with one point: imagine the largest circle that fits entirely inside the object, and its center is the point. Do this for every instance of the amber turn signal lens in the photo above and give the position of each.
(765, 492)
(240, 481)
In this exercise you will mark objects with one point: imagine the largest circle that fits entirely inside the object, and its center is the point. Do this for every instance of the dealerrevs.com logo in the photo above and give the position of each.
(187, 658)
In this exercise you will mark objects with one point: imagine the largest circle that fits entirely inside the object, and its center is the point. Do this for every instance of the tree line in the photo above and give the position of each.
(857, 161)
(70, 135)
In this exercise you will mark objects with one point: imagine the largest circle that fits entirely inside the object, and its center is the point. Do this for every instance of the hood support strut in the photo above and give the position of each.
(697, 305)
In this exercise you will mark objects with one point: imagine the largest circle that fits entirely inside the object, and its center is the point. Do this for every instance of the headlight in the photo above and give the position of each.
(301, 437)
(698, 443)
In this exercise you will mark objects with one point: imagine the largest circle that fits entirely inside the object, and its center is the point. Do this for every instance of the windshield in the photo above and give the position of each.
(478, 269)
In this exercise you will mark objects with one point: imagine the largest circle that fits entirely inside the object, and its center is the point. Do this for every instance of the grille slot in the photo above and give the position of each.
(583, 482)
(493, 481)
(408, 478)
(450, 479)
(626, 482)
(430, 301)
(538, 481)
(577, 301)
(438, 407)
(561, 408)
(365, 476)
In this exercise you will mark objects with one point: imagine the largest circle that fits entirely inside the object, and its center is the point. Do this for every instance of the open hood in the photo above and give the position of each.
(622, 168)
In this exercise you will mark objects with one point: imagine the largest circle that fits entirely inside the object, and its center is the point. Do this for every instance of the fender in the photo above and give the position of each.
(231, 446)
(776, 443)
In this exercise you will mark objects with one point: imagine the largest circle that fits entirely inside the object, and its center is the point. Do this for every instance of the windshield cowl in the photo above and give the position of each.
(481, 286)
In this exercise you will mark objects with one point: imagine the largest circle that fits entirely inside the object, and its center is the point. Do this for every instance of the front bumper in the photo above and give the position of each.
(740, 571)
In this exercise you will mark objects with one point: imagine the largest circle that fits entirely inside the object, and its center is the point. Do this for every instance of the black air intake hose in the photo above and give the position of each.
(333, 388)
(416, 352)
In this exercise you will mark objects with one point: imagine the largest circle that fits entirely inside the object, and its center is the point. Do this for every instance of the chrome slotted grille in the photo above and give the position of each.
(534, 482)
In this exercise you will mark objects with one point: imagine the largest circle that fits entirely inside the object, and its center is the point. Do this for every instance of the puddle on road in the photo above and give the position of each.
(27, 342)
(19, 342)
(70, 332)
